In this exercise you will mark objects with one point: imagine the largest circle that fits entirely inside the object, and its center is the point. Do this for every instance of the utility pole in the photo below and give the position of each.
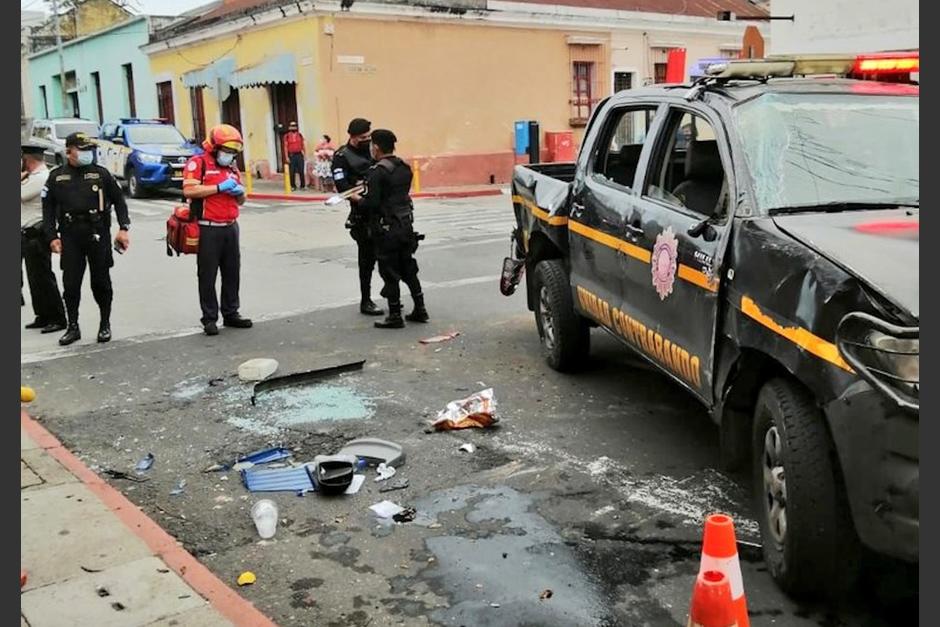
(58, 44)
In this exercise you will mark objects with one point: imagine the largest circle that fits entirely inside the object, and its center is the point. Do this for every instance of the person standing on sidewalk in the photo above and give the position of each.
(388, 204)
(76, 213)
(34, 250)
(350, 165)
(213, 186)
(324, 153)
(296, 155)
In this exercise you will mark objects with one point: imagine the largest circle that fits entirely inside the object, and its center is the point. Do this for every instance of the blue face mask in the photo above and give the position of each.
(225, 159)
(85, 157)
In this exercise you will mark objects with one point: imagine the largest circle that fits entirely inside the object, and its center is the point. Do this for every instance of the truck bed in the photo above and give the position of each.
(540, 197)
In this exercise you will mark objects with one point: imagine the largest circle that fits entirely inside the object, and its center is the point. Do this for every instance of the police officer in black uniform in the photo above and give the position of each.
(350, 165)
(76, 211)
(391, 213)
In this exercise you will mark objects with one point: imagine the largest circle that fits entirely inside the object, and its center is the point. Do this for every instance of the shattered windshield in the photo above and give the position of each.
(808, 150)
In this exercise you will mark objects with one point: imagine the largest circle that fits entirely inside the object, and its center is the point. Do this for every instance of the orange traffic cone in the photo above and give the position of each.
(711, 601)
(720, 552)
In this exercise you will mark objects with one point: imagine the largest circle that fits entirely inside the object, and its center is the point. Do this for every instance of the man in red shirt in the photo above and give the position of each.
(213, 186)
(296, 155)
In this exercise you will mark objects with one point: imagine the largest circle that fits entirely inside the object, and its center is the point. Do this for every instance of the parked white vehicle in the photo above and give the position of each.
(51, 135)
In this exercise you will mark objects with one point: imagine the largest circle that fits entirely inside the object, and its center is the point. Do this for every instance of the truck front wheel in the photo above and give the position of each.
(808, 538)
(134, 188)
(565, 335)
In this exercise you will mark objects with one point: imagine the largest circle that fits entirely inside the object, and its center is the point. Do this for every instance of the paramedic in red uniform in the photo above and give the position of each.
(212, 183)
(296, 155)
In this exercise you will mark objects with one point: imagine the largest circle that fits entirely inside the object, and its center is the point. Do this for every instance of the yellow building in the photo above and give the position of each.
(449, 80)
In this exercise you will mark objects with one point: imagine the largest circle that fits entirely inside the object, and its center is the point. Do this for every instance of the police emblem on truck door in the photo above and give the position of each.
(663, 262)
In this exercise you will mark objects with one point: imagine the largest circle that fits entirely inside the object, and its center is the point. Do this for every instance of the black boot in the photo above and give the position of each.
(54, 327)
(104, 331)
(237, 322)
(73, 334)
(419, 314)
(368, 308)
(38, 323)
(394, 319)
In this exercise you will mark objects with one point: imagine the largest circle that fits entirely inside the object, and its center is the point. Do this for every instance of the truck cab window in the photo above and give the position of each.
(619, 149)
(686, 169)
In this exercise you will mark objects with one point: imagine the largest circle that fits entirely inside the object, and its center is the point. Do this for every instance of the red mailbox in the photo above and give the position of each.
(560, 146)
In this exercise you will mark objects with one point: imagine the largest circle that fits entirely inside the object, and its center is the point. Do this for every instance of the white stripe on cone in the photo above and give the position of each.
(731, 567)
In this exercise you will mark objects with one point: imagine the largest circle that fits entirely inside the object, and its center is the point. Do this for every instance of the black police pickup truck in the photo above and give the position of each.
(755, 235)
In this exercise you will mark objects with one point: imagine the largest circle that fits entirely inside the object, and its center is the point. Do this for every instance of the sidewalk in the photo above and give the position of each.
(93, 558)
(271, 189)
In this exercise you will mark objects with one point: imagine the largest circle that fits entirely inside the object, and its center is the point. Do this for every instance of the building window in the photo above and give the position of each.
(622, 81)
(45, 103)
(96, 81)
(659, 72)
(582, 91)
(199, 113)
(129, 77)
(729, 53)
(165, 101)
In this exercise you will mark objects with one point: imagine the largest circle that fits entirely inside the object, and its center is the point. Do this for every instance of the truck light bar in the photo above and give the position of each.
(823, 64)
(888, 63)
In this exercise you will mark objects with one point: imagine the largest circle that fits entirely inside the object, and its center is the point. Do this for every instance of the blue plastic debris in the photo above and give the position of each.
(265, 456)
(145, 463)
(295, 479)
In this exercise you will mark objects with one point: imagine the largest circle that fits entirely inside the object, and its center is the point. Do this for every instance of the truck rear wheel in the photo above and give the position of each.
(808, 537)
(565, 335)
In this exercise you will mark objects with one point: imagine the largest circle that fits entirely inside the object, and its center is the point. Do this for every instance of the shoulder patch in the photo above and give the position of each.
(192, 166)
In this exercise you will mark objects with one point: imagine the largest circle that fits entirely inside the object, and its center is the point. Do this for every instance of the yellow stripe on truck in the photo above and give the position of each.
(686, 273)
(540, 213)
(803, 338)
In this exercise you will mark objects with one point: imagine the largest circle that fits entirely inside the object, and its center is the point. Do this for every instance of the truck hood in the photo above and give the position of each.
(880, 247)
(166, 150)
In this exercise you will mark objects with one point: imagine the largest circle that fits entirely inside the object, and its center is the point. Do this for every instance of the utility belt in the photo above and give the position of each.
(397, 220)
(93, 218)
(32, 229)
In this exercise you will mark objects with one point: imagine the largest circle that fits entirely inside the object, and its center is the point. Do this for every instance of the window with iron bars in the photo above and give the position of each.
(582, 92)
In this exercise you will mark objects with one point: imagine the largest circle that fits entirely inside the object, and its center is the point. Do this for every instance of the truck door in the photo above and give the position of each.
(603, 198)
(683, 222)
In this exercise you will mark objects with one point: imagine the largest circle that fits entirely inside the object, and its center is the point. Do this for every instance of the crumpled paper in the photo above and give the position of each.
(477, 411)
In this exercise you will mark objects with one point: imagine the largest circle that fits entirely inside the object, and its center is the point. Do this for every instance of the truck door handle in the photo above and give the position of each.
(634, 230)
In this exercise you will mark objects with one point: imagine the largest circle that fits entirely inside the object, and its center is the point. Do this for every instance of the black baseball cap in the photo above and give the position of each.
(80, 141)
(33, 149)
(359, 126)
(384, 139)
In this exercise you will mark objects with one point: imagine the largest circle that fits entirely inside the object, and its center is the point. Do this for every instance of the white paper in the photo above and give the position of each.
(467, 447)
(384, 472)
(357, 482)
(386, 509)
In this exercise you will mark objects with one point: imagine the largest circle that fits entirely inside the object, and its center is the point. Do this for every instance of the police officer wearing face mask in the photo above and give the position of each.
(76, 211)
(350, 165)
(387, 203)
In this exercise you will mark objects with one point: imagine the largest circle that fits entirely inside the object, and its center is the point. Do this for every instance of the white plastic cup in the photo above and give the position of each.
(264, 513)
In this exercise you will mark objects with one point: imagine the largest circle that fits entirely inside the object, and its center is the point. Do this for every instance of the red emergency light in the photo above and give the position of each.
(888, 63)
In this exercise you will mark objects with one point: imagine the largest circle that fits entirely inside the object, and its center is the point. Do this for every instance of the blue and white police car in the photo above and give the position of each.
(145, 154)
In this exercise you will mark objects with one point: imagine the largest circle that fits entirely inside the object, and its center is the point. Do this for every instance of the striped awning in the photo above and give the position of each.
(279, 69)
(210, 75)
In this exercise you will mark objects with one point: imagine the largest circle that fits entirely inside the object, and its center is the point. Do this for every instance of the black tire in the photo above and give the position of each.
(565, 335)
(134, 188)
(818, 553)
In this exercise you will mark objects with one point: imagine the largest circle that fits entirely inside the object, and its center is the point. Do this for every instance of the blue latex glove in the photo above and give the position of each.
(238, 190)
(228, 185)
